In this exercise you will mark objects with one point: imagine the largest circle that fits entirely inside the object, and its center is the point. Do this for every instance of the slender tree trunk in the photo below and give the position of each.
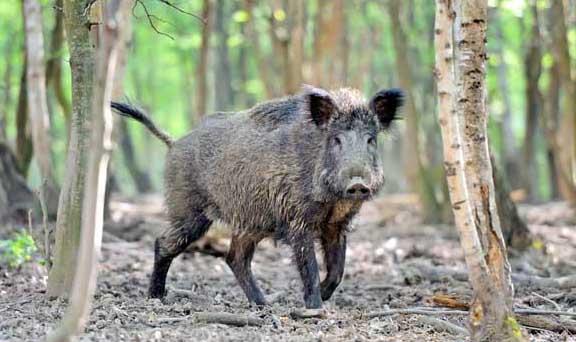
(37, 100)
(54, 63)
(297, 19)
(514, 229)
(80, 43)
(7, 99)
(202, 69)
(460, 70)
(418, 180)
(508, 151)
(565, 138)
(326, 38)
(115, 15)
(533, 70)
(222, 72)
(263, 64)
(550, 124)
(140, 178)
(23, 138)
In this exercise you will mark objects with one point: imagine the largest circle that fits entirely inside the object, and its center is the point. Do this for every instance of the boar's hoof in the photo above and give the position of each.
(155, 292)
(307, 313)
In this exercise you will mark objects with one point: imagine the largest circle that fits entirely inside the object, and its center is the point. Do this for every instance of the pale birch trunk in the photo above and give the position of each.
(115, 14)
(80, 44)
(460, 70)
(37, 99)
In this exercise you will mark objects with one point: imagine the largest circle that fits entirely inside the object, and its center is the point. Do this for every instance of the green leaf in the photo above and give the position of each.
(241, 16)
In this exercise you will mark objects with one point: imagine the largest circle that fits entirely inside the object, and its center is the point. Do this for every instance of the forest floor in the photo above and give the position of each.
(393, 261)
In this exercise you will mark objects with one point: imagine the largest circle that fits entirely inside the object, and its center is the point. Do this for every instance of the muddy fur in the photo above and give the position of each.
(280, 170)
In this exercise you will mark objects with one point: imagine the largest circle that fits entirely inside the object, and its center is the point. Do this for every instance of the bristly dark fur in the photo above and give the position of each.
(296, 169)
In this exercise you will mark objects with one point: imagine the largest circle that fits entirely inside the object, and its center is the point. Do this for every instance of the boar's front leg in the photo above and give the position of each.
(239, 259)
(305, 258)
(334, 245)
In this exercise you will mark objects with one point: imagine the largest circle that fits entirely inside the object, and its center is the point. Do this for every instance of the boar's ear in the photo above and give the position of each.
(385, 105)
(318, 103)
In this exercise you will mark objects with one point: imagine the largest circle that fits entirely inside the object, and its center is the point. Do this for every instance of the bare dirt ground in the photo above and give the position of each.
(390, 256)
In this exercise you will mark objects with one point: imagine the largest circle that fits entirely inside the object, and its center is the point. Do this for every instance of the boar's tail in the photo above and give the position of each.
(138, 115)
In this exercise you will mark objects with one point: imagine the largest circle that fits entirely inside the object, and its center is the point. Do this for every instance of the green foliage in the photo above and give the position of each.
(18, 250)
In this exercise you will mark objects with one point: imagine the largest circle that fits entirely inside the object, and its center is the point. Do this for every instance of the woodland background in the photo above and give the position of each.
(182, 60)
(251, 51)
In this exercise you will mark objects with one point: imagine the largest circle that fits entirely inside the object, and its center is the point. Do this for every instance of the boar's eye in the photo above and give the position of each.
(337, 141)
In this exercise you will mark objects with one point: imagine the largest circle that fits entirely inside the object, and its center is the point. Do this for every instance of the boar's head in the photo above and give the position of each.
(348, 165)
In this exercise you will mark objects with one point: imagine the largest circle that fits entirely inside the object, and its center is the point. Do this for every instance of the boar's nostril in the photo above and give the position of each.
(357, 191)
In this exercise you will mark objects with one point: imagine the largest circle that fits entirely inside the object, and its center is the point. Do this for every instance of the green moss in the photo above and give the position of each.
(18, 250)
(513, 325)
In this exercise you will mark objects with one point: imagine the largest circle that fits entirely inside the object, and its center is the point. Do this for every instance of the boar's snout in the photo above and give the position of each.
(357, 189)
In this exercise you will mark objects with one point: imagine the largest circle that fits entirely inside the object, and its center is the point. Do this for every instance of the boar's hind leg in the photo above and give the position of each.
(170, 244)
(239, 259)
(305, 259)
(334, 246)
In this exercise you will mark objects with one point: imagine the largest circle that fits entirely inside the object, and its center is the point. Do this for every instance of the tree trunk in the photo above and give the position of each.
(327, 36)
(38, 102)
(140, 178)
(54, 63)
(416, 175)
(514, 229)
(222, 73)
(297, 19)
(533, 70)
(115, 15)
(565, 139)
(68, 222)
(202, 69)
(508, 151)
(460, 70)
(7, 99)
(23, 138)
(263, 65)
(550, 124)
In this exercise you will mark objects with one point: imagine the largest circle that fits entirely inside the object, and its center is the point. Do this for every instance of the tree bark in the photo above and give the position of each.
(565, 139)
(508, 151)
(329, 18)
(140, 178)
(37, 100)
(54, 63)
(80, 43)
(297, 23)
(115, 15)
(417, 176)
(533, 69)
(514, 229)
(263, 65)
(202, 68)
(7, 99)
(550, 124)
(460, 71)
(222, 73)
(23, 138)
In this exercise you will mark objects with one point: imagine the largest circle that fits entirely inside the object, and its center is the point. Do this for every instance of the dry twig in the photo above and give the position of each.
(442, 325)
(227, 318)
